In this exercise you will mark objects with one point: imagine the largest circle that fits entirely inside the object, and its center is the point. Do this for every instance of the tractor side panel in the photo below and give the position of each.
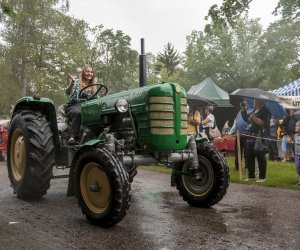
(159, 111)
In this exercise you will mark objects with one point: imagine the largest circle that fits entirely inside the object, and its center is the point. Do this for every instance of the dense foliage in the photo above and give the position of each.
(40, 43)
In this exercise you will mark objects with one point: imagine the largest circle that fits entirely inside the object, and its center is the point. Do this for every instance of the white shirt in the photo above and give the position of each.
(211, 121)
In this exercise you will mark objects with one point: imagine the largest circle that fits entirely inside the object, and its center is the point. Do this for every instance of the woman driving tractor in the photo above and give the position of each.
(73, 108)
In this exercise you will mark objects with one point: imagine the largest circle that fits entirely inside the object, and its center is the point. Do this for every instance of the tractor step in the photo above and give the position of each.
(60, 176)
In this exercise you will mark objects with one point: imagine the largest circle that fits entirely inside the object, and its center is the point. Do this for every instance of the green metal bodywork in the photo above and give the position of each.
(167, 100)
(42, 105)
(159, 111)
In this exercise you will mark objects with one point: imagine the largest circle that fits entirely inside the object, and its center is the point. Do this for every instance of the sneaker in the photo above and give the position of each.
(250, 179)
(72, 141)
(283, 160)
(298, 184)
(260, 180)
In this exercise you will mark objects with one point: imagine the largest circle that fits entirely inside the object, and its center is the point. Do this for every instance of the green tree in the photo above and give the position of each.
(197, 58)
(55, 44)
(228, 54)
(177, 76)
(9, 86)
(288, 8)
(5, 8)
(114, 59)
(25, 37)
(227, 14)
(280, 54)
(152, 72)
(277, 59)
(230, 10)
(169, 59)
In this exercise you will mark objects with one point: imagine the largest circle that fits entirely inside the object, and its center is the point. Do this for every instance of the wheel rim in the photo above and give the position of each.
(18, 154)
(95, 187)
(199, 187)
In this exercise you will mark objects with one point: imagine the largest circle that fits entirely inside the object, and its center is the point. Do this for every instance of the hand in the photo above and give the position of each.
(86, 94)
(251, 116)
(72, 77)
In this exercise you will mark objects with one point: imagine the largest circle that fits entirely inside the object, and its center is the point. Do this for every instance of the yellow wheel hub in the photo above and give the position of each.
(18, 154)
(95, 187)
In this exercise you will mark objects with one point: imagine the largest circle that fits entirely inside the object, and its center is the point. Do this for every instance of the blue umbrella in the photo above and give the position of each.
(275, 108)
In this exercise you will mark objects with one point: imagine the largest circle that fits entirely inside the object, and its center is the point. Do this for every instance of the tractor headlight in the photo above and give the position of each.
(122, 105)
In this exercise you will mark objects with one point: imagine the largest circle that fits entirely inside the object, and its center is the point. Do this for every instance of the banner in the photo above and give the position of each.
(290, 102)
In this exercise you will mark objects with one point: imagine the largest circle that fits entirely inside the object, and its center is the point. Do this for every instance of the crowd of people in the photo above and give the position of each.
(252, 121)
(200, 121)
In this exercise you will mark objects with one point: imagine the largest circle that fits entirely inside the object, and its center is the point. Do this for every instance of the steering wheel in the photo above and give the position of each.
(100, 87)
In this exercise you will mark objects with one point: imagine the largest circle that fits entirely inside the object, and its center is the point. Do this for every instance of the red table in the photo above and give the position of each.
(225, 143)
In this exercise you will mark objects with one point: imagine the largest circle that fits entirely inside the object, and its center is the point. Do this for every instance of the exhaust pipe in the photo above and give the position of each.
(143, 74)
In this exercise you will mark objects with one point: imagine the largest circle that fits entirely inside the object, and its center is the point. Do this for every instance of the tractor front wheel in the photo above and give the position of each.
(101, 186)
(207, 185)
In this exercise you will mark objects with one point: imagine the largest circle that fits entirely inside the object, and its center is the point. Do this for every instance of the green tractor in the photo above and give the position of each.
(144, 126)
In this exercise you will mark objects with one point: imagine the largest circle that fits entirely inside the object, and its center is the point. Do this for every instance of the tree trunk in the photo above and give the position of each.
(24, 35)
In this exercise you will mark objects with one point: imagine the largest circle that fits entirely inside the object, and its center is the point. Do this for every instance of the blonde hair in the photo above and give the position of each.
(92, 81)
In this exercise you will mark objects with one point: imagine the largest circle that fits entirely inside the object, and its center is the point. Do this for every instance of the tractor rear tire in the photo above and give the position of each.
(30, 155)
(212, 186)
(102, 186)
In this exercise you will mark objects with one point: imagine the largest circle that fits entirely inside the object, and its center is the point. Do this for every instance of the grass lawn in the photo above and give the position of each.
(280, 175)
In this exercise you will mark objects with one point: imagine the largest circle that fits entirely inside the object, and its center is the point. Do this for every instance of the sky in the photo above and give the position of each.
(158, 21)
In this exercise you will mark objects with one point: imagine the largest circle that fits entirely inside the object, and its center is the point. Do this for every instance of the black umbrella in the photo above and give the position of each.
(249, 94)
(237, 95)
(197, 101)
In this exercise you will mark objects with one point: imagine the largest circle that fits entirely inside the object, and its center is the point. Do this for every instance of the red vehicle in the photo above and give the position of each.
(3, 138)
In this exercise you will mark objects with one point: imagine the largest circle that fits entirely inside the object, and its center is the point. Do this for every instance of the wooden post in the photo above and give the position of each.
(238, 138)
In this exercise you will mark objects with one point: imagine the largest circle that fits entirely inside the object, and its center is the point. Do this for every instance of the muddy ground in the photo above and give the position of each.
(247, 218)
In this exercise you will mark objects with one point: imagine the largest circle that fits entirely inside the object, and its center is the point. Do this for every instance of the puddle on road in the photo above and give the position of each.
(247, 218)
(164, 212)
(169, 221)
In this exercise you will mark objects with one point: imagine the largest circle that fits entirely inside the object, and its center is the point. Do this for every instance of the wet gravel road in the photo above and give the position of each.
(247, 218)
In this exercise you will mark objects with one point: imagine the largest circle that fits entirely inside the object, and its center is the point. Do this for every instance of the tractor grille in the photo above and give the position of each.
(184, 116)
(162, 115)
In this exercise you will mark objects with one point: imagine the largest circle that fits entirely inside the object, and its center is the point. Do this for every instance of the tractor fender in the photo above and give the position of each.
(42, 105)
(84, 147)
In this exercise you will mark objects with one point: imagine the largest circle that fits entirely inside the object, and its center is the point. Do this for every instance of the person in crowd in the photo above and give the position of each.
(292, 125)
(240, 125)
(226, 128)
(285, 147)
(259, 120)
(202, 112)
(194, 120)
(73, 108)
(297, 150)
(209, 122)
(273, 149)
(288, 131)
